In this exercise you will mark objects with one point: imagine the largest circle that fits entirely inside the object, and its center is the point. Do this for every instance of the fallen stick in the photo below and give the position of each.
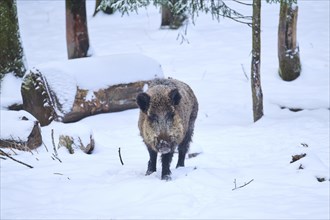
(241, 185)
(121, 160)
(7, 155)
(54, 148)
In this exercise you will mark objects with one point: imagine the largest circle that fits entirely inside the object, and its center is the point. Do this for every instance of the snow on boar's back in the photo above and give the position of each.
(168, 110)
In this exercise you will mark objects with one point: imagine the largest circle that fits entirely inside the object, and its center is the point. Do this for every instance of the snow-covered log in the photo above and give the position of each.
(19, 130)
(71, 90)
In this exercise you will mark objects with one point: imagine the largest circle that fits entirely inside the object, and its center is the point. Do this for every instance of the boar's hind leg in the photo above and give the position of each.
(184, 145)
(152, 161)
(166, 162)
(183, 149)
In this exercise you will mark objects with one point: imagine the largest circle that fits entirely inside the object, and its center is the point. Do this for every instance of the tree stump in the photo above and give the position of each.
(71, 90)
(19, 130)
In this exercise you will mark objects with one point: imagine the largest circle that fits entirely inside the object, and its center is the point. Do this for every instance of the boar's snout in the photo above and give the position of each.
(164, 145)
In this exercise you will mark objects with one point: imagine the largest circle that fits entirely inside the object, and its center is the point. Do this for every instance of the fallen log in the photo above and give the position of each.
(71, 90)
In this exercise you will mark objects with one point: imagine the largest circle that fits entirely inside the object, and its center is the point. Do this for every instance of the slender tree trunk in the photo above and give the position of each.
(166, 16)
(170, 18)
(11, 50)
(288, 51)
(76, 29)
(257, 97)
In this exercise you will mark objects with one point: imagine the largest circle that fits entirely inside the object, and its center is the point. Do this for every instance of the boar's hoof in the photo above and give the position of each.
(149, 172)
(167, 177)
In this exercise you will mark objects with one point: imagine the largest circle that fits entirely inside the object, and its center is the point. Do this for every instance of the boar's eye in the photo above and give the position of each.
(153, 117)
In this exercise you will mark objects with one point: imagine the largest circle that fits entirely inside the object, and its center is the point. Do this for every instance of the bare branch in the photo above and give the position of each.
(245, 184)
(121, 160)
(242, 22)
(55, 151)
(45, 146)
(54, 147)
(7, 155)
(247, 78)
(243, 3)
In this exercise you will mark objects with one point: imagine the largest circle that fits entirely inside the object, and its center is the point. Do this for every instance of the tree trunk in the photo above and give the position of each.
(257, 97)
(166, 16)
(170, 18)
(76, 29)
(288, 51)
(11, 50)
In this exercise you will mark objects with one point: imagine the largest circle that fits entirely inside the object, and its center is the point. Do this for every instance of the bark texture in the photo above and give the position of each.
(112, 99)
(257, 96)
(76, 29)
(11, 50)
(288, 50)
(36, 98)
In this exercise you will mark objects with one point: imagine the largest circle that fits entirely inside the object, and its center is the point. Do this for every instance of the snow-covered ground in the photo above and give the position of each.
(216, 64)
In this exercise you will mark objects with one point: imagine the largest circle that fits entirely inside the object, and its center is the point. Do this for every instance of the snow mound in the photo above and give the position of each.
(100, 72)
(8, 126)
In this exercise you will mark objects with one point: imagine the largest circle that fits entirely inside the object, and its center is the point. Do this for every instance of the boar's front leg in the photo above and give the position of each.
(166, 162)
(152, 161)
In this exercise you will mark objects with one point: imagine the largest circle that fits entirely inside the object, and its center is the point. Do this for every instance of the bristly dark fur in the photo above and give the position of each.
(168, 112)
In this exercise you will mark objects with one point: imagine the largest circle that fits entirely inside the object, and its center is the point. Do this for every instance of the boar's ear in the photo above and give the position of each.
(143, 101)
(175, 96)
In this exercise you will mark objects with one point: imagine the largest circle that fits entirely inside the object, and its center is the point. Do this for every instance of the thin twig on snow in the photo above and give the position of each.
(7, 155)
(245, 184)
(121, 160)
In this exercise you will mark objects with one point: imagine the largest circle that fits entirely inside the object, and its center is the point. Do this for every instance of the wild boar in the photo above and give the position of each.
(168, 110)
